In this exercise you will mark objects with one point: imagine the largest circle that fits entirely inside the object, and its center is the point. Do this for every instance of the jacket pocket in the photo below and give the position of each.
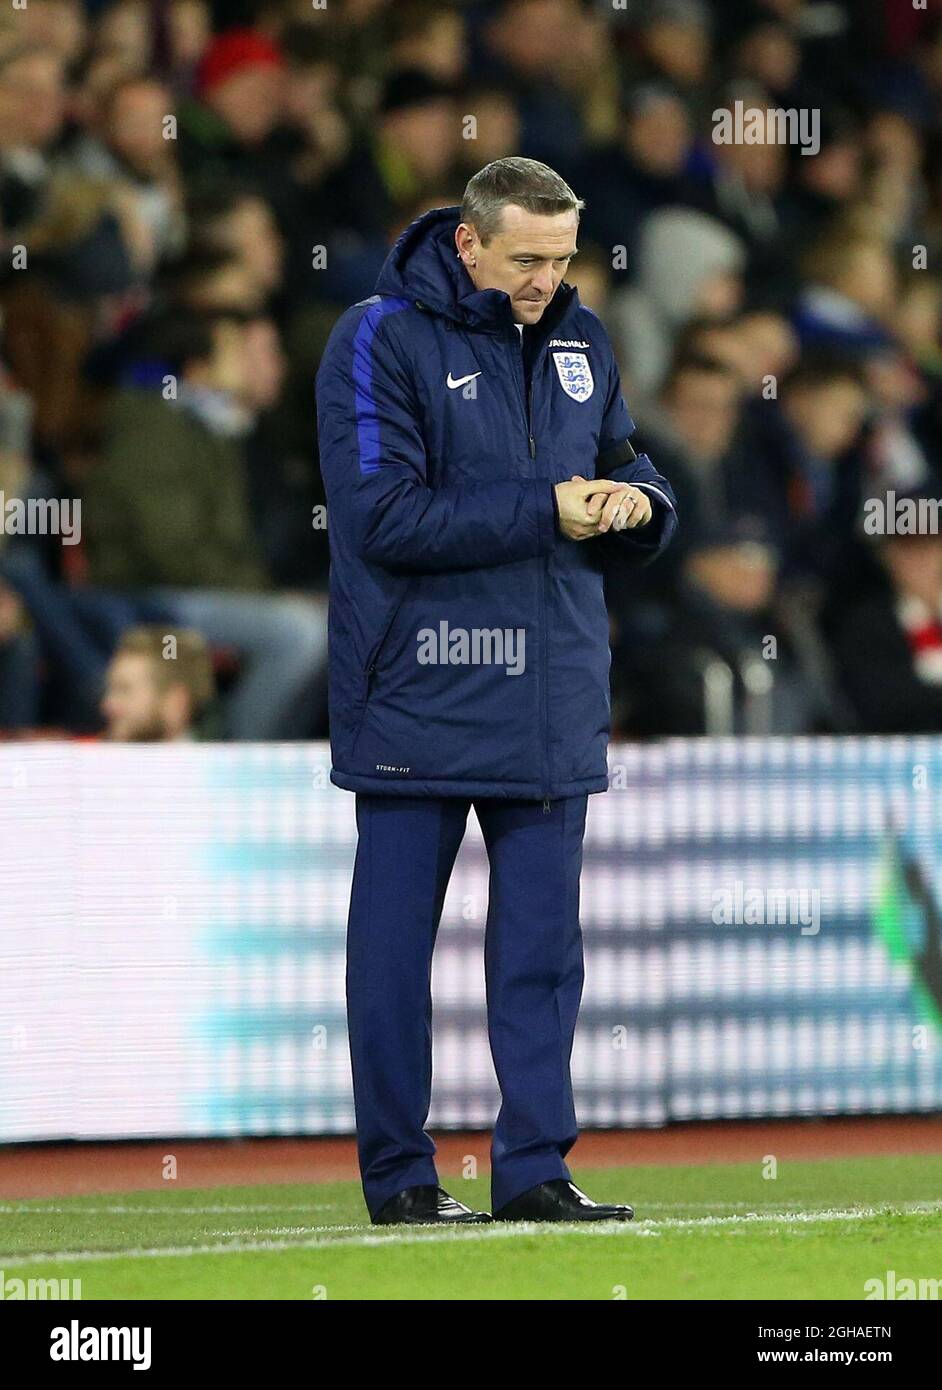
(375, 656)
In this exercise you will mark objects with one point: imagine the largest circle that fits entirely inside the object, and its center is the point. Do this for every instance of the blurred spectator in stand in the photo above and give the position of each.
(179, 532)
(71, 637)
(895, 457)
(128, 139)
(94, 77)
(212, 281)
(688, 265)
(530, 48)
(415, 146)
(810, 442)
(930, 188)
(771, 344)
(314, 100)
(674, 45)
(189, 32)
(888, 644)
(767, 51)
(917, 321)
(714, 599)
(848, 305)
(19, 647)
(918, 325)
(286, 494)
(822, 184)
(700, 422)
(237, 223)
(760, 346)
(892, 201)
(591, 273)
(741, 183)
(32, 112)
(848, 294)
(429, 36)
(237, 128)
(19, 664)
(360, 30)
(805, 438)
(638, 172)
(721, 339)
(914, 85)
(125, 27)
(158, 686)
(318, 137)
(496, 130)
(89, 254)
(60, 26)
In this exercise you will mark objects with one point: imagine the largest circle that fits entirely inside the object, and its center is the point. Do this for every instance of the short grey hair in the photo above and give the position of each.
(526, 183)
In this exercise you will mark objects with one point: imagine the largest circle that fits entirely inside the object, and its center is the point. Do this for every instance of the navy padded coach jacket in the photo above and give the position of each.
(439, 467)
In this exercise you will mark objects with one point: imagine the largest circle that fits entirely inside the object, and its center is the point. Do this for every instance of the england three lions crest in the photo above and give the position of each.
(575, 374)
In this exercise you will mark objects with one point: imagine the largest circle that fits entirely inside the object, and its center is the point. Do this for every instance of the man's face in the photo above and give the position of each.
(265, 372)
(135, 128)
(915, 563)
(704, 407)
(527, 258)
(828, 417)
(135, 709)
(530, 35)
(229, 365)
(250, 102)
(658, 137)
(425, 135)
(189, 25)
(681, 51)
(32, 91)
(498, 130)
(252, 235)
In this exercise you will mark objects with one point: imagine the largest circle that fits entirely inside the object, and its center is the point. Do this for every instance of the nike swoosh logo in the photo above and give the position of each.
(462, 380)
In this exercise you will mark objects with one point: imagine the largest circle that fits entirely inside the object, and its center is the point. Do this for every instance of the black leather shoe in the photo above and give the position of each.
(427, 1206)
(560, 1200)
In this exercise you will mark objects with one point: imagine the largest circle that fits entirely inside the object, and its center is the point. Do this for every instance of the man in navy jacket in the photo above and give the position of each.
(475, 451)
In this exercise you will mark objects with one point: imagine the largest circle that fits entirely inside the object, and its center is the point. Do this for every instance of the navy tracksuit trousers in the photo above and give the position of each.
(406, 850)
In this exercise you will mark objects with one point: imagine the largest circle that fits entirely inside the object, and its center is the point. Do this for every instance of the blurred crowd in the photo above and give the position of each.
(190, 195)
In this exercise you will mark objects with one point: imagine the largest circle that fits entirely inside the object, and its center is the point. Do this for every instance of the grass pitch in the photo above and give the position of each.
(819, 1230)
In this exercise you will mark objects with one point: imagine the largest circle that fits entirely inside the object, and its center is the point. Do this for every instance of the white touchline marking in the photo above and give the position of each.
(326, 1237)
(225, 1209)
(12, 1209)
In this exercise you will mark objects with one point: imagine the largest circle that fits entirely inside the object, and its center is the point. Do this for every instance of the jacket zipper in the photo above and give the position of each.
(530, 420)
(527, 402)
(544, 678)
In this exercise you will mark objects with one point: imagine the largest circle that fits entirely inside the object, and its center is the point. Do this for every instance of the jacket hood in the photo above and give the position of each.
(424, 267)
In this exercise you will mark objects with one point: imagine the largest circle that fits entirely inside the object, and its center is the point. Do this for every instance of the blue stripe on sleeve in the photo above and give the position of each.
(367, 417)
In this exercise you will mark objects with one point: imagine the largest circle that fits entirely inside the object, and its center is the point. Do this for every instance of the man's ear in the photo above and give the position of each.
(466, 242)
